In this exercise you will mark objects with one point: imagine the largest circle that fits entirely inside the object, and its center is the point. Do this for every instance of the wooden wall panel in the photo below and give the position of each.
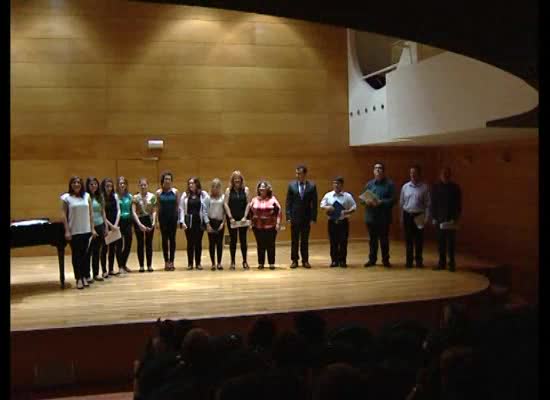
(58, 51)
(151, 99)
(57, 123)
(58, 99)
(199, 77)
(42, 75)
(65, 8)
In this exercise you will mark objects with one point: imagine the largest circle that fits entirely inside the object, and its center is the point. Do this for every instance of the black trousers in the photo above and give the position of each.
(168, 235)
(194, 243)
(379, 233)
(215, 242)
(79, 256)
(414, 239)
(299, 236)
(126, 232)
(241, 232)
(96, 248)
(338, 232)
(144, 238)
(446, 243)
(113, 249)
(265, 239)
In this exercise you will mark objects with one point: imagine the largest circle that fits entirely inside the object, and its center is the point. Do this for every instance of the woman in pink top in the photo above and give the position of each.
(266, 220)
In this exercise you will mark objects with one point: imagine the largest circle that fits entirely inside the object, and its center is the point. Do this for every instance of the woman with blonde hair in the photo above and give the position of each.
(216, 225)
(266, 221)
(236, 204)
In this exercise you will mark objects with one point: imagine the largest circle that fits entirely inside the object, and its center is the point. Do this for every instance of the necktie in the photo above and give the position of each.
(302, 191)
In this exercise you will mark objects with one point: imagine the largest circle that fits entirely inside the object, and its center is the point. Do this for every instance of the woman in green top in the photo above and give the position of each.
(98, 208)
(145, 215)
(125, 200)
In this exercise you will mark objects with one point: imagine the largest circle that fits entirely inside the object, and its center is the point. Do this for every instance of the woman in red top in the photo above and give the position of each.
(266, 220)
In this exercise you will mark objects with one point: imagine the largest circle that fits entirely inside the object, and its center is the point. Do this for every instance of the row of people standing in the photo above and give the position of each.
(196, 210)
(419, 205)
(89, 212)
(200, 211)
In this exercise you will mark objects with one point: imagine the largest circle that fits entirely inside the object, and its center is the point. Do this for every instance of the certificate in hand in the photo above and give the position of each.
(449, 225)
(112, 236)
(419, 220)
(337, 213)
(240, 224)
(368, 195)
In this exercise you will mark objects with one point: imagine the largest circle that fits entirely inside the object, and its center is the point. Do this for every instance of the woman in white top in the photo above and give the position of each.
(78, 219)
(193, 217)
(145, 215)
(215, 226)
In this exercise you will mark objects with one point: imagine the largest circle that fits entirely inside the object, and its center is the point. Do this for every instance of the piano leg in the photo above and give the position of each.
(61, 256)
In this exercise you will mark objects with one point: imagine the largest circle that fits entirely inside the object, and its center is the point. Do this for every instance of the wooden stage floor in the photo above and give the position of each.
(37, 302)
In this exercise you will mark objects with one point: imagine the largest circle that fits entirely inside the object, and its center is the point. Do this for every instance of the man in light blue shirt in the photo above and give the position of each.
(339, 205)
(415, 204)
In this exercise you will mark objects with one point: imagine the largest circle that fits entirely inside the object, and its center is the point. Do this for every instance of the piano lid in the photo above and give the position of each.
(28, 222)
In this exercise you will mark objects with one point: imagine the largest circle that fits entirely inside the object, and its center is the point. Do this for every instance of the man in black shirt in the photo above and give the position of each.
(446, 206)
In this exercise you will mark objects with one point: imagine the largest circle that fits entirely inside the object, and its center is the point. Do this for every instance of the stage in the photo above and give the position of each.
(38, 303)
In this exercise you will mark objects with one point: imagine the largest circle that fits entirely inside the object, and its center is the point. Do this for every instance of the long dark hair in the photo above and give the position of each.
(82, 189)
(97, 195)
(109, 198)
(197, 183)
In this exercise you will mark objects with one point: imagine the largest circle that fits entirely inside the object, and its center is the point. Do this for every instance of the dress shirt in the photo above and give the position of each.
(415, 198)
(343, 198)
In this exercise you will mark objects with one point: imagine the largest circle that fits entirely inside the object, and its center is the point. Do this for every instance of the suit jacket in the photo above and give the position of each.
(298, 210)
(446, 202)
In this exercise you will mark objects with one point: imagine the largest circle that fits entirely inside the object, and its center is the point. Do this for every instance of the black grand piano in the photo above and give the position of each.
(38, 232)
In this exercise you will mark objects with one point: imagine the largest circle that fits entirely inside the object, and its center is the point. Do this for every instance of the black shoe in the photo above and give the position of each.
(452, 268)
(245, 265)
(189, 267)
(333, 264)
(232, 266)
(141, 269)
(343, 265)
(370, 264)
(213, 268)
(294, 264)
(408, 266)
(261, 266)
(125, 268)
(306, 265)
(150, 269)
(386, 264)
(199, 267)
(439, 268)
(220, 267)
(272, 266)
(419, 265)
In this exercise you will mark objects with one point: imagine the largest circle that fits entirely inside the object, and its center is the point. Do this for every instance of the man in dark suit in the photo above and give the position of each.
(446, 206)
(301, 210)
